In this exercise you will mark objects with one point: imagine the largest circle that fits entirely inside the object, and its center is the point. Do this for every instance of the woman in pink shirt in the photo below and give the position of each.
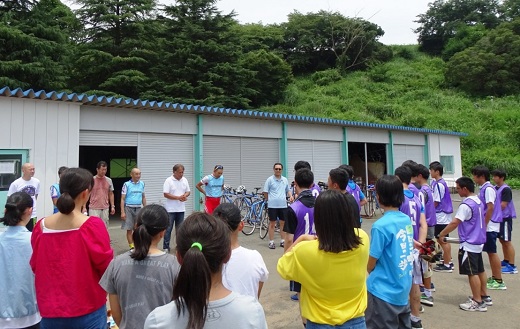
(71, 253)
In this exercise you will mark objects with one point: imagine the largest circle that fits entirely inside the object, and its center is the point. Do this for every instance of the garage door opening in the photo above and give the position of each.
(368, 160)
(120, 160)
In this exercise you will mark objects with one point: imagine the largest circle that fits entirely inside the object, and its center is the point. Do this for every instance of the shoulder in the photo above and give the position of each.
(108, 179)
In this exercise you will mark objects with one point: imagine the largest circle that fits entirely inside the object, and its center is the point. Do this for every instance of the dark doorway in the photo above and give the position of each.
(369, 163)
(120, 160)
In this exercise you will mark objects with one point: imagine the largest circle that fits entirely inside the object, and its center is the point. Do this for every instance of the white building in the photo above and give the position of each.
(58, 129)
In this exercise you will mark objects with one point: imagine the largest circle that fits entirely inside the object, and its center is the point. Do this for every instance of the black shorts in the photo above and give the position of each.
(506, 227)
(439, 228)
(470, 263)
(277, 213)
(491, 243)
(295, 286)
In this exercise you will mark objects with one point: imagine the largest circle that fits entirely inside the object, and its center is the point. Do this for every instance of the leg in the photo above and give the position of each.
(272, 212)
(496, 268)
(168, 233)
(475, 285)
(129, 237)
(415, 300)
(178, 219)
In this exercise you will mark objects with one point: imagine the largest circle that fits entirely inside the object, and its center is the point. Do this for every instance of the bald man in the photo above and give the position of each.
(132, 199)
(30, 185)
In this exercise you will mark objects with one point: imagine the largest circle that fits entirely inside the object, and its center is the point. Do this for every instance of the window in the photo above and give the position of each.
(10, 169)
(448, 164)
(121, 168)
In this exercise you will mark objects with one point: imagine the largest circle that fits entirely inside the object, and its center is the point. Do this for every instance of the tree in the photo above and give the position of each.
(444, 18)
(465, 37)
(492, 66)
(259, 37)
(317, 41)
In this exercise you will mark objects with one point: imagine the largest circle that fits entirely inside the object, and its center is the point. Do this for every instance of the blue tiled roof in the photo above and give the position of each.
(108, 101)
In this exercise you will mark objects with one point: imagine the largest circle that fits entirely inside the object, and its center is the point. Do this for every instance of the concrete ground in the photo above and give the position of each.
(451, 288)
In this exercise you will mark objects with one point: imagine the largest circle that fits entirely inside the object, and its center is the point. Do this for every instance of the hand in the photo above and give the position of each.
(291, 199)
(123, 216)
(112, 210)
(417, 245)
(440, 239)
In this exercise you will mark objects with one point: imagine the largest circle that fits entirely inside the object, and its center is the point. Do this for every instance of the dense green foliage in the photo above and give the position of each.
(409, 91)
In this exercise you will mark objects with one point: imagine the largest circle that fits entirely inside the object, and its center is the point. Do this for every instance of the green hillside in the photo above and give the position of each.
(409, 90)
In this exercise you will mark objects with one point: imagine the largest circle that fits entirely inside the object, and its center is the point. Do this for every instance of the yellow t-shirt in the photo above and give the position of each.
(333, 285)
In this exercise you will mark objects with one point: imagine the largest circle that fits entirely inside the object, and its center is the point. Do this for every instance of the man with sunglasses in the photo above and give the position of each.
(213, 188)
(276, 191)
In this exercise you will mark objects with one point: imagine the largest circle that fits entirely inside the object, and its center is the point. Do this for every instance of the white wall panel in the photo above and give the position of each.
(408, 152)
(407, 138)
(314, 131)
(241, 127)
(322, 155)
(365, 135)
(225, 151)
(107, 138)
(258, 157)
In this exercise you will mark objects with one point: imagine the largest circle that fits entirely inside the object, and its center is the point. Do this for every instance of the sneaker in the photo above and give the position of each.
(487, 300)
(432, 289)
(272, 245)
(294, 297)
(494, 285)
(473, 306)
(490, 280)
(417, 324)
(443, 268)
(428, 301)
(502, 263)
(508, 269)
(421, 310)
(282, 244)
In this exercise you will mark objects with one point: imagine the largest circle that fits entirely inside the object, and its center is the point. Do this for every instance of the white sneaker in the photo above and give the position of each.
(472, 306)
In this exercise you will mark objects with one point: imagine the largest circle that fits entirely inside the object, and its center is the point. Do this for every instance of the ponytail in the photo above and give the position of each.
(151, 220)
(204, 245)
(65, 203)
(16, 205)
(72, 182)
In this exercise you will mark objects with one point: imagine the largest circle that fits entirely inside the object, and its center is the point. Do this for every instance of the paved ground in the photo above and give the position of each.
(452, 289)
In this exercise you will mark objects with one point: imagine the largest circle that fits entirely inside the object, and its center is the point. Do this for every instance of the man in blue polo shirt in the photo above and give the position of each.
(132, 199)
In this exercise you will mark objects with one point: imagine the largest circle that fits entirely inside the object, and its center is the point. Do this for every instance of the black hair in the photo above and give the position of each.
(389, 190)
(177, 166)
(348, 169)
(15, 206)
(404, 173)
(413, 167)
(340, 177)
(335, 221)
(101, 164)
(437, 166)
(302, 164)
(229, 213)
(480, 171)
(277, 163)
(192, 287)
(150, 221)
(62, 169)
(304, 178)
(500, 173)
(423, 171)
(72, 183)
(466, 182)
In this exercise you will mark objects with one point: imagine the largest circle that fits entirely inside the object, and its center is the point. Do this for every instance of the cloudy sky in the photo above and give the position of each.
(394, 16)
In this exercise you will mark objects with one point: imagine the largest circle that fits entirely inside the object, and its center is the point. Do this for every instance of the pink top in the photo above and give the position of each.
(68, 265)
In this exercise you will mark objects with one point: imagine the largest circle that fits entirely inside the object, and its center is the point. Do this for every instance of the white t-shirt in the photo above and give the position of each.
(232, 311)
(491, 196)
(31, 187)
(438, 193)
(464, 213)
(244, 271)
(177, 188)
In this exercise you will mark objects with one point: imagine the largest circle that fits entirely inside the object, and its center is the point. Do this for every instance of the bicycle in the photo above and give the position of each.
(228, 196)
(372, 204)
(256, 217)
(243, 200)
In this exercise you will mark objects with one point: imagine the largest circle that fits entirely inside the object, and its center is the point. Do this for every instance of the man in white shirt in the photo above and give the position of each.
(176, 191)
(30, 185)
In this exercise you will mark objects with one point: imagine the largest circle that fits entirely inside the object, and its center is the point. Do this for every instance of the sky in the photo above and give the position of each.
(395, 17)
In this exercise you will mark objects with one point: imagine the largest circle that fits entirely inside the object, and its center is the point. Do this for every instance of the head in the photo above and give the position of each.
(413, 166)
(178, 171)
(151, 223)
(302, 164)
(61, 170)
(218, 170)
(436, 170)
(423, 174)
(465, 186)
(229, 214)
(18, 209)
(499, 176)
(348, 169)
(101, 168)
(338, 179)
(198, 266)
(135, 174)
(480, 174)
(28, 170)
(277, 168)
(389, 191)
(404, 174)
(335, 221)
(303, 179)
(75, 187)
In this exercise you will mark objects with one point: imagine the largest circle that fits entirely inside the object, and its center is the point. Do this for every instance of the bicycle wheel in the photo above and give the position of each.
(369, 207)
(264, 224)
(249, 226)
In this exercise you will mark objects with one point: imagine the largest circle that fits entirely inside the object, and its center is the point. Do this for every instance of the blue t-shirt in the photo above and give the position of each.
(213, 186)
(276, 191)
(133, 193)
(391, 243)
(55, 194)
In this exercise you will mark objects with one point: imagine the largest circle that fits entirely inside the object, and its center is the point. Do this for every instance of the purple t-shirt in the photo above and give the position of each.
(445, 205)
(301, 215)
(426, 196)
(412, 207)
(473, 231)
(498, 213)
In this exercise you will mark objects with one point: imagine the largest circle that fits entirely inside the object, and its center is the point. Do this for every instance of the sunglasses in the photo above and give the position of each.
(218, 167)
(277, 169)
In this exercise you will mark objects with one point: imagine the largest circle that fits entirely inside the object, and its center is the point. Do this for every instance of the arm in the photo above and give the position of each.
(288, 241)
(265, 195)
(451, 227)
(123, 215)
(144, 200)
(199, 187)
(111, 198)
(503, 204)
(260, 286)
(303, 237)
(115, 307)
(489, 211)
(371, 264)
(423, 229)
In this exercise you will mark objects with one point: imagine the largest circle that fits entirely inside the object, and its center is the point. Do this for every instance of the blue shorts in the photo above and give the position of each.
(506, 227)
(491, 243)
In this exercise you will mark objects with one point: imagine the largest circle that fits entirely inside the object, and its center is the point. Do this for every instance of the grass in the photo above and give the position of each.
(410, 91)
